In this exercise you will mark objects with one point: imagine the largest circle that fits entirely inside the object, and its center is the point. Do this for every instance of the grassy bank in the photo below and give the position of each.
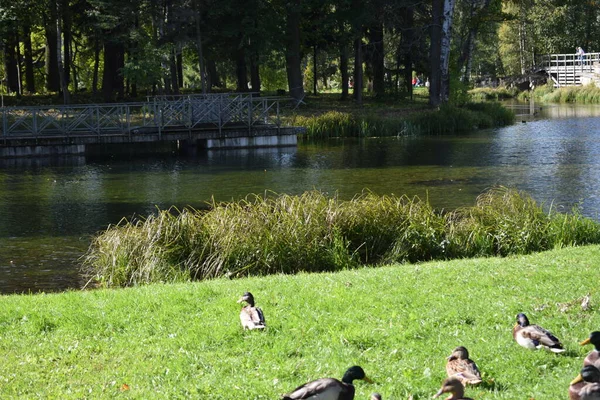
(313, 232)
(398, 322)
(446, 120)
(588, 94)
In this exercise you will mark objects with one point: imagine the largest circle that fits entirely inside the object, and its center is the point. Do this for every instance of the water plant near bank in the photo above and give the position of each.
(493, 93)
(588, 94)
(312, 232)
(447, 119)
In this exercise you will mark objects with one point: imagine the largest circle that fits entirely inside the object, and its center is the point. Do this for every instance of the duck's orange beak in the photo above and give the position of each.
(577, 380)
(586, 341)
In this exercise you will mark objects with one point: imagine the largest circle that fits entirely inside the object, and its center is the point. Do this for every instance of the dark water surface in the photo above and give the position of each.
(50, 208)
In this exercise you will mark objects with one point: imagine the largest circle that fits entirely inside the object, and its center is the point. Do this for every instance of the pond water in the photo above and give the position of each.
(49, 208)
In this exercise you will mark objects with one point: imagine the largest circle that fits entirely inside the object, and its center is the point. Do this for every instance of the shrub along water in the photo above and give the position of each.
(447, 120)
(311, 232)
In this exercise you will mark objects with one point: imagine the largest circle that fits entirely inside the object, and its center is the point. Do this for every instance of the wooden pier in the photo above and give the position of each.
(569, 69)
(209, 121)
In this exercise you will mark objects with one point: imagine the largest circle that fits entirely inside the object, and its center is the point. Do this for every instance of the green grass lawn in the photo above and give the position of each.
(397, 322)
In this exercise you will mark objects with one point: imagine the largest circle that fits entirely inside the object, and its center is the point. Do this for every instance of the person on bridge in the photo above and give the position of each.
(580, 55)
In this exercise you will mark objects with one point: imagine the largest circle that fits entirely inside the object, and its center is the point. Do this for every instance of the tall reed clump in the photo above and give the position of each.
(311, 232)
(447, 120)
(153, 249)
(389, 228)
(264, 235)
(588, 94)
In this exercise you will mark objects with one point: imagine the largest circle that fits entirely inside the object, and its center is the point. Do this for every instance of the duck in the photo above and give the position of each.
(460, 365)
(250, 316)
(329, 388)
(593, 357)
(453, 386)
(375, 396)
(534, 336)
(586, 386)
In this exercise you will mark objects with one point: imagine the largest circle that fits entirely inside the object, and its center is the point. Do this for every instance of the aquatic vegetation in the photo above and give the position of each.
(490, 93)
(447, 119)
(289, 234)
(588, 94)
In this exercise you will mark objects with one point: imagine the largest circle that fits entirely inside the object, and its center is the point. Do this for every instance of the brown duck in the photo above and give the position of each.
(250, 316)
(461, 366)
(534, 336)
(453, 386)
(329, 388)
(587, 384)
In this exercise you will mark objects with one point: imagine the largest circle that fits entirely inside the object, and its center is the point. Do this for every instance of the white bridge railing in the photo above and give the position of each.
(192, 112)
(567, 69)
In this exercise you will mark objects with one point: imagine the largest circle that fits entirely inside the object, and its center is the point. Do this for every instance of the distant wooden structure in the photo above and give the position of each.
(209, 121)
(569, 70)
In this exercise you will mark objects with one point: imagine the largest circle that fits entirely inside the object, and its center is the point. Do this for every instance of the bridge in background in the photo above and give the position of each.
(569, 70)
(209, 121)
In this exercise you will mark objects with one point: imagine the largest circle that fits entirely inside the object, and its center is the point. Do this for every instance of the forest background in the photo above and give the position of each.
(114, 50)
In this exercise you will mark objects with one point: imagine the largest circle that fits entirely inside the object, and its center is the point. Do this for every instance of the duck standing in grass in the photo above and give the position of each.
(329, 388)
(587, 384)
(461, 366)
(250, 316)
(534, 336)
(453, 386)
(593, 357)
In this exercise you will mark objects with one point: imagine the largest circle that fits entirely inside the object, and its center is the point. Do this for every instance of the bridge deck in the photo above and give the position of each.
(197, 117)
(569, 69)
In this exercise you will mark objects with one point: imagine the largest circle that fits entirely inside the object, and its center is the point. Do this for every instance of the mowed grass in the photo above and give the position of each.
(397, 322)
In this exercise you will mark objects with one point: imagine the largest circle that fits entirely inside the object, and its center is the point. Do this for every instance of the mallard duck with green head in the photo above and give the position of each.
(329, 388)
(534, 336)
(461, 366)
(453, 386)
(587, 384)
(251, 317)
(593, 357)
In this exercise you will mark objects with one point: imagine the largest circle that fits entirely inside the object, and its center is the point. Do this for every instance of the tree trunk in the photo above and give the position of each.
(255, 72)
(435, 53)
(344, 70)
(315, 77)
(407, 48)
(10, 61)
(445, 49)
(29, 73)
(377, 59)
(112, 81)
(66, 31)
(213, 75)
(179, 60)
(96, 65)
(51, 67)
(61, 70)
(358, 71)
(241, 70)
(293, 57)
(173, 72)
(199, 49)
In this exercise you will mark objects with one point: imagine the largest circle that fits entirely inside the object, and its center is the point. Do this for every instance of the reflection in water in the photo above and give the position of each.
(50, 208)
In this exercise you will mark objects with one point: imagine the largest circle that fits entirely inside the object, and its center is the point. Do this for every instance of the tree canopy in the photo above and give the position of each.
(128, 48)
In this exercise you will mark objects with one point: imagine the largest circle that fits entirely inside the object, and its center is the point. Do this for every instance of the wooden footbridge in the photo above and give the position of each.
(209, 121)
(569, 69)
